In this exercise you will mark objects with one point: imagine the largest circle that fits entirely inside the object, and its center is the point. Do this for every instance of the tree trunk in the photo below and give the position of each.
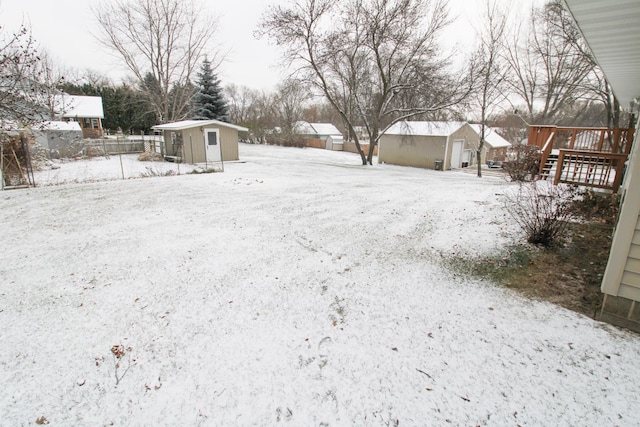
(360, 150)
(372, 147)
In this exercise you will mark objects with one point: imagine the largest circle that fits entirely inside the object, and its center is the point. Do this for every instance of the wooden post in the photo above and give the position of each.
(619, 168)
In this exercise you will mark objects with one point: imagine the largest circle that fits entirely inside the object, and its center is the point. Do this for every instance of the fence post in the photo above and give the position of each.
(120, 155)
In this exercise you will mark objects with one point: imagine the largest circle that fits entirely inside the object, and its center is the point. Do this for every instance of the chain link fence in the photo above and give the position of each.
(90, 160)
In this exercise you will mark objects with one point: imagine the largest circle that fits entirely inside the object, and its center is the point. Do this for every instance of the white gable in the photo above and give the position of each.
(492, 137)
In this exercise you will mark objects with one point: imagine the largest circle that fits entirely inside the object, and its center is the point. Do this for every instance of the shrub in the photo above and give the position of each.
(150, 156)
(523, 163)
(597, 206)
(542, 210)
(287, 140)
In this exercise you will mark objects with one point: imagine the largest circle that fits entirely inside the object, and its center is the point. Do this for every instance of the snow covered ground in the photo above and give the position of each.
(297, 288)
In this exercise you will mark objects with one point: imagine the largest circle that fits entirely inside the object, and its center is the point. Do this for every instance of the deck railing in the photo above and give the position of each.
(592, 157)
(590, 169)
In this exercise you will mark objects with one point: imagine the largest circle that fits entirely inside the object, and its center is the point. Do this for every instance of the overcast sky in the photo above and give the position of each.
(65, 27)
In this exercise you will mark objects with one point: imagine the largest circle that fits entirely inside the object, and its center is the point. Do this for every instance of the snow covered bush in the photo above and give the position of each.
(541, 209)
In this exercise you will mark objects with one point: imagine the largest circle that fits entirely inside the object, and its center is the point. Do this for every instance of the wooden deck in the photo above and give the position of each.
(592, 157)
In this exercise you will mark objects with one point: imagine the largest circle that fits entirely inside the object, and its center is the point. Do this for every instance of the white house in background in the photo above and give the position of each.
(321, 135)
(612, 30)
(495, 146)
(87, 111)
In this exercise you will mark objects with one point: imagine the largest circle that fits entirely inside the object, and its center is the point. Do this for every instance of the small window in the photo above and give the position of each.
(94, 123)
(212, 138)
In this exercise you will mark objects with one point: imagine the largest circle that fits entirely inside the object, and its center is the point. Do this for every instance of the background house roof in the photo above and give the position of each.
(325, 129)
(82, 106)
(491, 137)
(56, 125)
(186, 124)
(612, 31)
(306, 128)
(424, 128)
(303, 128)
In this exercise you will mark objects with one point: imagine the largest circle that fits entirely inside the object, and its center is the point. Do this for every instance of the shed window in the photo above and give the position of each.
(212, 138)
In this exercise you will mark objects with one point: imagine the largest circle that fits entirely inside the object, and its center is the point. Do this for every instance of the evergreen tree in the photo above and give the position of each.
(209, 102)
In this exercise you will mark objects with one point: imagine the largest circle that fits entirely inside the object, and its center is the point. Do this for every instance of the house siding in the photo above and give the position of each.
(412, 150)
(423, 151)
(621, 280)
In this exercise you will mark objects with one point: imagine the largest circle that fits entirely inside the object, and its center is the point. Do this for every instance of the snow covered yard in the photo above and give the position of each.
(295, 288)
(101, 168)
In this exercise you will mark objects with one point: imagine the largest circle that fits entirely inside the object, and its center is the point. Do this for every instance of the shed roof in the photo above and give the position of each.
(492, 137)
(57, 125)
(186, 124)
(325, 129)
(82, 106)
(424, 128)
(305, 128)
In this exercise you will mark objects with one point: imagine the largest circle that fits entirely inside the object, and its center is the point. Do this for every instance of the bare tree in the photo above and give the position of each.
(161, 42)
(253, 109)
(289, 102)
(367, 56)
(548, 71)
(241, 100)
(490, 68)
(25, 85)
(51, 79)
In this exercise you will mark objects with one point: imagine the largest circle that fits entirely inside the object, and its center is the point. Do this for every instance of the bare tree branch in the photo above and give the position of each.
(161, 42)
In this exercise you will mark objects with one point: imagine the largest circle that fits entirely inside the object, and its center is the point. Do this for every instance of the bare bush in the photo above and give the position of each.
(523, 164)
(542, 210)
(285, 140)
(150, 156)
(597, 206)
(153, 172)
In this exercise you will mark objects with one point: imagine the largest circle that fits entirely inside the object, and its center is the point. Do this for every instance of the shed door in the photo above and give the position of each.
(213, 146)
(456, 154)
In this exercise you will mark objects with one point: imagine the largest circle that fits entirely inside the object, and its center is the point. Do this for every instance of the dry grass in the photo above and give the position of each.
(568, 273)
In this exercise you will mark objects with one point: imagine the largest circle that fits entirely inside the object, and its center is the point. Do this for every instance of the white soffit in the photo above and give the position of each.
(612, 29)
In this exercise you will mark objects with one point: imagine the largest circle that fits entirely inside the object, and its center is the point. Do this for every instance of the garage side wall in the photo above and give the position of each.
(470, 138)
(411, 150)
